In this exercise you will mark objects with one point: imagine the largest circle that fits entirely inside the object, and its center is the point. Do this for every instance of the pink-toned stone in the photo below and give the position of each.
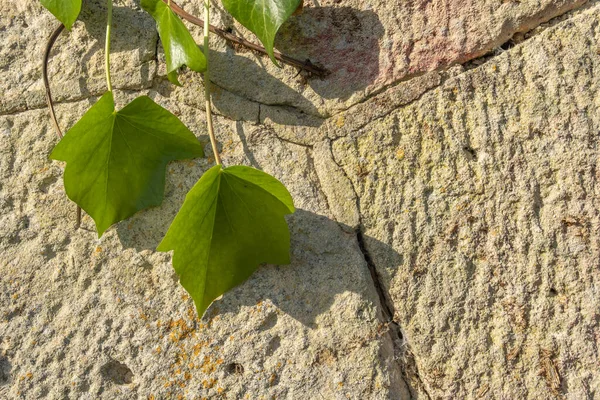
(370, 45)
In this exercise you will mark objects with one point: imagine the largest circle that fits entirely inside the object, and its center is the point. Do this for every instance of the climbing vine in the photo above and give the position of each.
(232, 220)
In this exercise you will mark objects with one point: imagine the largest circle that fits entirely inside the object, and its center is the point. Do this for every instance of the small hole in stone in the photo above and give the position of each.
(507, 45)
(117, 372)
(235, 368)
(553, 292)
(4, 370)
(471, 151)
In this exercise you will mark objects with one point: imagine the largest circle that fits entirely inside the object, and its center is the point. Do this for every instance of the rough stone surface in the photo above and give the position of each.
(89, 318)
(486, 194)
(461, 196)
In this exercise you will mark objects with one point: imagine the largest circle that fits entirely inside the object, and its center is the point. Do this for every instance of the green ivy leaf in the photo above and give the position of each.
(180, 47)
(231, 221)
(116, 160)
(262, 17)
(66, 11)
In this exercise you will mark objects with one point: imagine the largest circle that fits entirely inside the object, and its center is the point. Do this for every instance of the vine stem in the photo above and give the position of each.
(209, 121)
(49, 100)
(303, 65)
(109, 6)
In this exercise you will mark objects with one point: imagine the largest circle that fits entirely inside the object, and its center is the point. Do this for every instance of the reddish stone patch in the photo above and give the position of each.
(369, 45)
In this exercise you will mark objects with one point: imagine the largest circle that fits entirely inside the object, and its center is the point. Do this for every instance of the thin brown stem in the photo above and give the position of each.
(49, 46)
(49, 101)
(303, 65)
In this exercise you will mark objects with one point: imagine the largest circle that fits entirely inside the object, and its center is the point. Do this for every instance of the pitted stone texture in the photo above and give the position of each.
(88, 318)
(479, 203)
(76, 66)
(487, 189)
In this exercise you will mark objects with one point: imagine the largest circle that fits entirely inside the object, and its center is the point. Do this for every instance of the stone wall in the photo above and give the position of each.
(447, 238)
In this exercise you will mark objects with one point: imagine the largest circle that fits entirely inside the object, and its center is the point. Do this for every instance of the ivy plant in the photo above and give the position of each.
(233, 219)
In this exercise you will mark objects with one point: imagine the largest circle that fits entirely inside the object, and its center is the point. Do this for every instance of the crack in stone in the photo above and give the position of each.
(394, 330)
(287, 106)
(17, 111)
(274, 135)
(387, 306)
(399, 342)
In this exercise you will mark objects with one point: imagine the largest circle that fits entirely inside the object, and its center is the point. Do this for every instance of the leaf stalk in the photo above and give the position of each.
(107, 45)
(209, 121)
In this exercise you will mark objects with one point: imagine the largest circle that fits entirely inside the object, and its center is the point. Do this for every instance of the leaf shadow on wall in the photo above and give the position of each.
(343, 40)
(239, 86)
(328, 278)
(326, 274)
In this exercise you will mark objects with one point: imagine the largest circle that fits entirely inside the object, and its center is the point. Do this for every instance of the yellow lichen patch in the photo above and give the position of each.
(199, 346)
(180, 330)
(340, 121)
(400, 154)
(208, 384)
(208, 366)
(228, 145)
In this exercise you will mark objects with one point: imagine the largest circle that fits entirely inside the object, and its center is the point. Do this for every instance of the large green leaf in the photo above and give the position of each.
(180, 47)
(66, 11)
(231, 221)
(263, 17)
(116, 160)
